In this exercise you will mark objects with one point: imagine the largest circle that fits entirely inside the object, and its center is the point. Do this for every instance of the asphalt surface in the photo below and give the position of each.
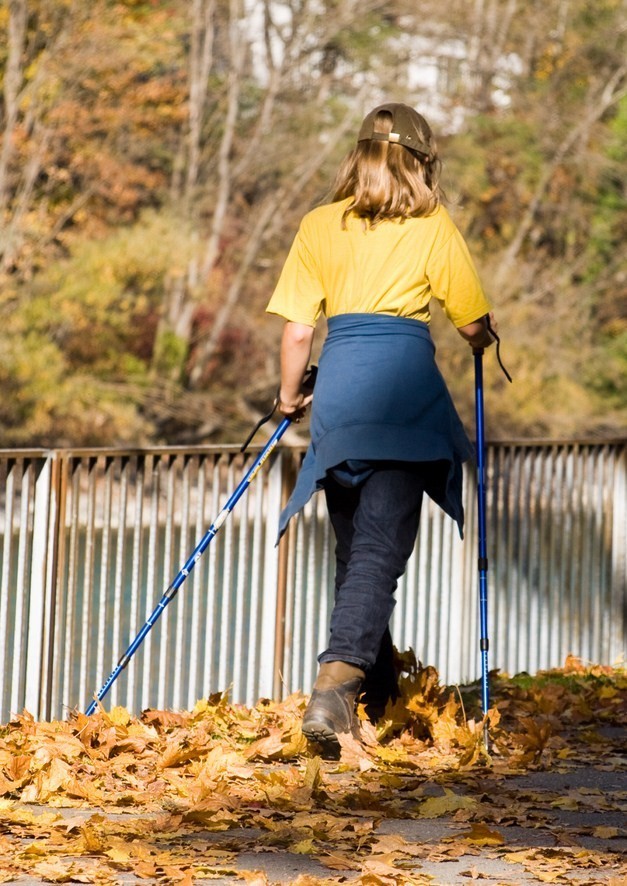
(557, 826)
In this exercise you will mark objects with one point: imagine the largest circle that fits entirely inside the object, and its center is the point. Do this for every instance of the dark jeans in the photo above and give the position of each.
(375, 527)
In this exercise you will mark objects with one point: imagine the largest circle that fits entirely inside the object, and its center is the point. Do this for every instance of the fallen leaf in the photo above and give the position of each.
(54, 871)
(481, 835)
(118, 856)
(254, 878)
(436, 807)
(606, 833)
(17, 768)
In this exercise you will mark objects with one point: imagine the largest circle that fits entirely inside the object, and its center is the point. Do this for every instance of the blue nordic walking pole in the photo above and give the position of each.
(172, 590)
(482, 561)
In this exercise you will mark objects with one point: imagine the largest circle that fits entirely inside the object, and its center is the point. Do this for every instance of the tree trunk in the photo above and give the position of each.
(178, 305)
(13, 79)
(237, 54)
(490, 30)
(201, 56)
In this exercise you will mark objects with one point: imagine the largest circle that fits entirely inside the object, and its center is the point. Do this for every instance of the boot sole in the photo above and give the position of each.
(322, 735)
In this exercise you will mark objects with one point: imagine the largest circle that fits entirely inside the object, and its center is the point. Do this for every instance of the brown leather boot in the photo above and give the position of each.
(331, 708)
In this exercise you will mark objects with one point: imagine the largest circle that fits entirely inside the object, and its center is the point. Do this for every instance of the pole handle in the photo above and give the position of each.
(308, 384)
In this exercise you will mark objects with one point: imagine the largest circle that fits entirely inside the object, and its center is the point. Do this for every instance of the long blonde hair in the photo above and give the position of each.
(387, 180)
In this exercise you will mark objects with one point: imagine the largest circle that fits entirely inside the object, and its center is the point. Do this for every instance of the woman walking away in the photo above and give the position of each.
(384, 430)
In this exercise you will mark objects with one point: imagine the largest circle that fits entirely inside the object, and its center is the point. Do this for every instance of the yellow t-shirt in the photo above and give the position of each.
(395, 268)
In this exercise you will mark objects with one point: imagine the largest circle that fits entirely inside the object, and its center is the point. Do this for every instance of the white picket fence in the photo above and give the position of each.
(89, 540)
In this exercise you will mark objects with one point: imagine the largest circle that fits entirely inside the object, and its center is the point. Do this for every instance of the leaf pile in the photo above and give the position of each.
(182, 797)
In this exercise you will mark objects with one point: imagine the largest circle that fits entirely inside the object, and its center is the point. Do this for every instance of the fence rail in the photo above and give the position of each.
(89, 539)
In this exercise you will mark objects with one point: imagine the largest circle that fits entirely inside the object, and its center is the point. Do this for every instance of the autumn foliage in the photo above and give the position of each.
(156, 158)
(177, 796)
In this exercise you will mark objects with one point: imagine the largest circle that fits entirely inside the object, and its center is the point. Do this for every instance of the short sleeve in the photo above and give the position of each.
(299, 295)
(455, 283)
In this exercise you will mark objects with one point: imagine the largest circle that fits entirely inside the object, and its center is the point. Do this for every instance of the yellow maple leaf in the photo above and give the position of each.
(166, 719)
(549, 876)
(390, 754)
(481, 835)
(85, 790)
(55, 871)
(35, 849)
(520, 857)
(118, 856)
(312, 777)
(58, 775)
(353, 753)
(17, 767)
(183, 877)
(568, 802)
(303, 847)
(254, 878)
(605, 832)
(119, 716)
(308, 880)
(435, 807)
(145, 869)
(338, 862)
(92, 839)
(573, 664)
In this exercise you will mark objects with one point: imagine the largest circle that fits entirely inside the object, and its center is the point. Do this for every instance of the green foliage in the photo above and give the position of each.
(170, 353)
(607, 372)
(607, 228)
(606, 270)
(84, 333)
(100, 304)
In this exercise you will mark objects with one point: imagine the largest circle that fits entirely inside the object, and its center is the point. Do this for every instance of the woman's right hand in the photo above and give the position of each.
(294, 408)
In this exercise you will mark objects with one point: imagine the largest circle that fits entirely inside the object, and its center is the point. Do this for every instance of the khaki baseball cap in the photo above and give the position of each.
(409, 128)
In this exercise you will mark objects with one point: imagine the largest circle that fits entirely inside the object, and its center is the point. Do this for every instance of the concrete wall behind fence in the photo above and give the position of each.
(90, 539)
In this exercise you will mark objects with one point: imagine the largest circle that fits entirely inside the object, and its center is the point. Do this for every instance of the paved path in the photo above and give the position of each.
(560, 826)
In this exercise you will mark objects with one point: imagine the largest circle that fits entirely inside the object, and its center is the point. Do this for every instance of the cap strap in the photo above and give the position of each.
(395, 138)
(385, 137)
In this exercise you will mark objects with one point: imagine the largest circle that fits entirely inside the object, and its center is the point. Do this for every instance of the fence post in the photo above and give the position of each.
(21, 591)
(55, 527)
(55, 640)
(42, 582)
(288, 477)
(618, 588)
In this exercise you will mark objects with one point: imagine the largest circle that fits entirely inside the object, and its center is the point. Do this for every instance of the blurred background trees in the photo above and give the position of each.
(157, 156)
